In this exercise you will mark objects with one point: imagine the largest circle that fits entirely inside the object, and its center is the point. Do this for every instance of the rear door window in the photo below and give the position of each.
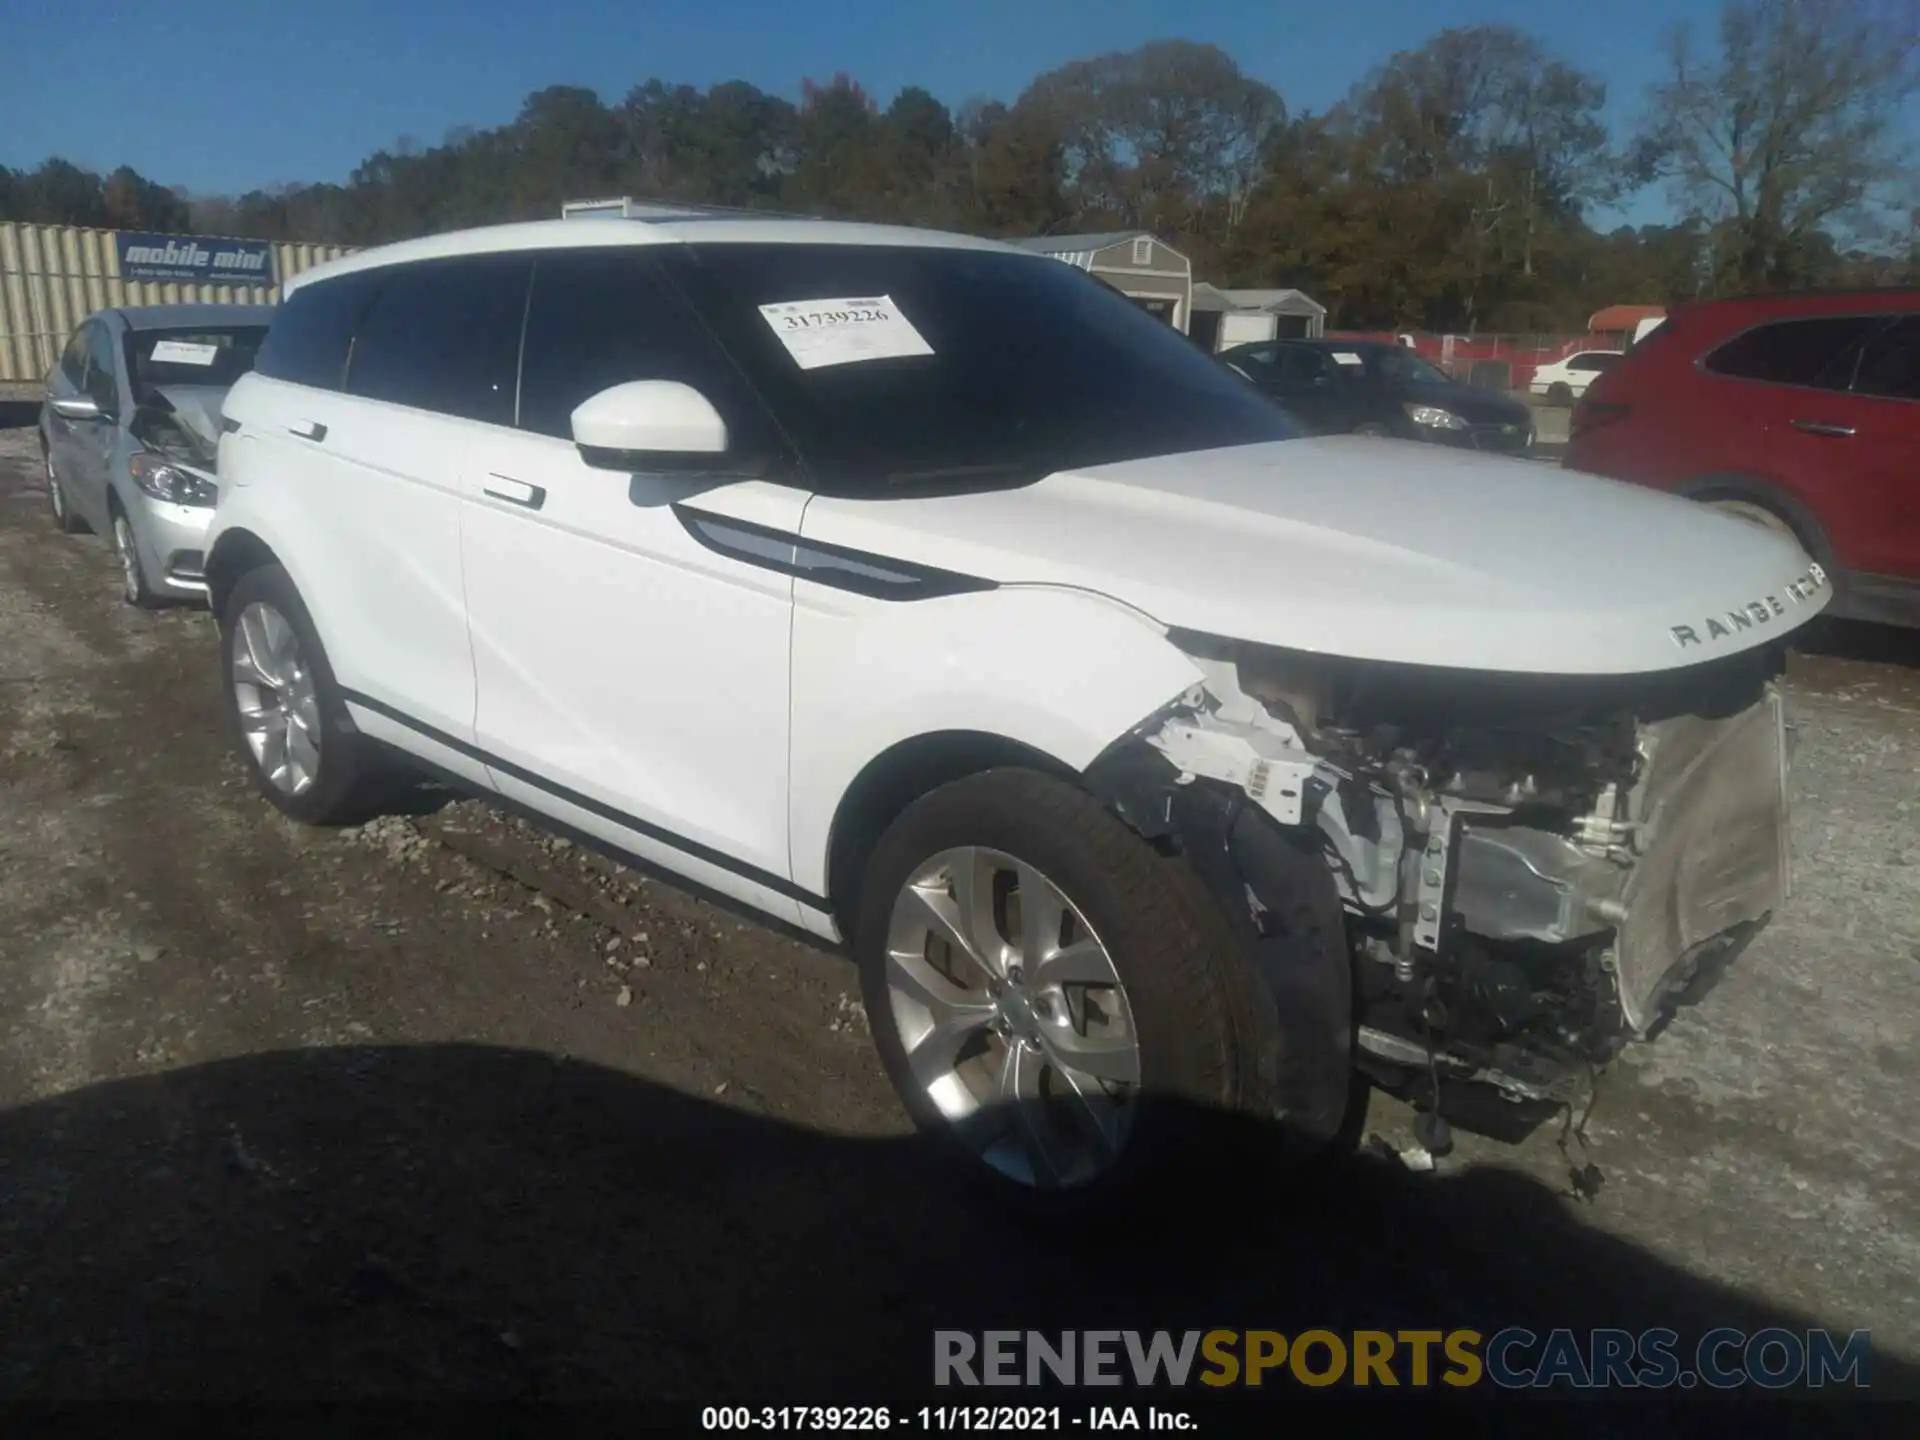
(444, 335)
(1890, 364)
(1817, 352)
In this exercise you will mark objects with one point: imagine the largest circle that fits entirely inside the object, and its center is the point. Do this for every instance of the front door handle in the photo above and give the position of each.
(514, 492)
(308, 429)
(1823, 427)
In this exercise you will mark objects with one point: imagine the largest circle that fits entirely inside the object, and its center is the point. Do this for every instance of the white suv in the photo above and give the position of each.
(926, 595)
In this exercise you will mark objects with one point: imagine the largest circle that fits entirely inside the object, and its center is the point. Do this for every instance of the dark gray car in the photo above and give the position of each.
(130, 429)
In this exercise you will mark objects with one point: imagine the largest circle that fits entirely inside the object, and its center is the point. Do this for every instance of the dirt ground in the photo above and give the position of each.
(442, 1107)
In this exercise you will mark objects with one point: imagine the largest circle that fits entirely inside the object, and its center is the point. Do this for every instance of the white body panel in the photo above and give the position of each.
(1061, 671)
(618, 658)
(367, 521)
(1345, 546)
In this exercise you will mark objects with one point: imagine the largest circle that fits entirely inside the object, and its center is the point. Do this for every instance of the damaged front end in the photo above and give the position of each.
(179, 458)
(1533, 870)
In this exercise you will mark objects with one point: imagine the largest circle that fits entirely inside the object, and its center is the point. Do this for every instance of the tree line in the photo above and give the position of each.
(1456, 187)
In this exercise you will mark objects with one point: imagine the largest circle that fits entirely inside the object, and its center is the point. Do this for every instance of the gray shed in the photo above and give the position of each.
(1146, 270)
(1235, 317)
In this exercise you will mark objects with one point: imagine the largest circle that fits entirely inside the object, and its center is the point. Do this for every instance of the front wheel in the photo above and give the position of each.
(64, 520)
(284, 708)
(133, 574)
(1050, 996)
(1560, 392)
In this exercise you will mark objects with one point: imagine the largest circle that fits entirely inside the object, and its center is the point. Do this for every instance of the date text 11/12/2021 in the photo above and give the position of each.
(946, 1419)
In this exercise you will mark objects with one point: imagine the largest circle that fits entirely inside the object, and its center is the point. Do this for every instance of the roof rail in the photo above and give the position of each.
(625, 207)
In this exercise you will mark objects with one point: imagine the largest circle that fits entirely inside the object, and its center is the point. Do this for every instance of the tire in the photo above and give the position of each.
(64, 520)
(134, 588)
(1185, 995)
(1374, 428)
(1560, 393)
(1758, 514)
(334, 788)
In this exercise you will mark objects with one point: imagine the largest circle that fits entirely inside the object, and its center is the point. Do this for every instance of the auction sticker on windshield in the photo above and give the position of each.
(1347, 357)
(839, 332)
(184, 352)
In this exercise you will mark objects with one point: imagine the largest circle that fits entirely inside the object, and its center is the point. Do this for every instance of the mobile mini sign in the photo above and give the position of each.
(195, 258)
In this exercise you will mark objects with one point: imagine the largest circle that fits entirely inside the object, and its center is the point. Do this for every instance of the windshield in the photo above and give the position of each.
(1400, 366)
(202, 355)
(888, 366)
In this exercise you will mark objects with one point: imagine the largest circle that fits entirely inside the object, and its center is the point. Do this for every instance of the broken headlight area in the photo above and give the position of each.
(1534, 869)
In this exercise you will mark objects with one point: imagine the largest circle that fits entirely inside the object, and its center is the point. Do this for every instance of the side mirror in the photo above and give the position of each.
(75, 407)
(649, 425)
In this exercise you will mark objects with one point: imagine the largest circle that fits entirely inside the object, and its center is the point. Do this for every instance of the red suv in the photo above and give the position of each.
(1801, 412)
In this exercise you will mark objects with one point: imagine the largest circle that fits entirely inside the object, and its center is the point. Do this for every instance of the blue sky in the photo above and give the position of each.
(223, 97)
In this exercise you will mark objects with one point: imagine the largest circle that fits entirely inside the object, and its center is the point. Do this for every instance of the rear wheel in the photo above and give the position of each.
(1050, 996)
(1560, 392)
(284, 707)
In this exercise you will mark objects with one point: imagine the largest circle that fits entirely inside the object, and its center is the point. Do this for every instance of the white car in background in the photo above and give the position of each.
(923, 594)
(1568, 379)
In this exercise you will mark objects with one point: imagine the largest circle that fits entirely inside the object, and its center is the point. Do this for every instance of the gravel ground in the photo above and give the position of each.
(440, 1106)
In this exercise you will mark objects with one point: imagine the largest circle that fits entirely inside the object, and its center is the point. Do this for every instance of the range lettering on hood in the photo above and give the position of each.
(1755, 612)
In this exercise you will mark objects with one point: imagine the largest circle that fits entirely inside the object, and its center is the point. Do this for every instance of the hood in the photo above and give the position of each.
(1415, 554)
(197, 408)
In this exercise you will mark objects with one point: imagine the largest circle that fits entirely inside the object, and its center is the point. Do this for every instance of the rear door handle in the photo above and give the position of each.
(1822, 427)
(514, 492)
(308, 429)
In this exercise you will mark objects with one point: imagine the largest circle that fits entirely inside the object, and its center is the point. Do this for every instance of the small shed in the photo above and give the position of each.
(1145, 269)
(1238, 317)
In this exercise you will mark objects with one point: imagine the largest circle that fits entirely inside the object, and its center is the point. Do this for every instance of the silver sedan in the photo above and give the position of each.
(130, 430)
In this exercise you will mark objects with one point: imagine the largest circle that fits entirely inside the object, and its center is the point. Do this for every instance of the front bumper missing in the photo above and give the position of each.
(1705, 861)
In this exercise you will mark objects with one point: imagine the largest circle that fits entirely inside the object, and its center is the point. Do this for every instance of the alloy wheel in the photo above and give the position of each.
(1012, 1017)
(128, 552)
(273, 692)
(56, 497)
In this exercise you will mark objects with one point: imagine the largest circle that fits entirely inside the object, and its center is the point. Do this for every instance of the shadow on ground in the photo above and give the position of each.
(1857, 640)
(440, 1221)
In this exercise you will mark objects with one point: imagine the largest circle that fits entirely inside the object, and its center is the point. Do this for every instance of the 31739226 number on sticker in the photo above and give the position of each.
(843, 330)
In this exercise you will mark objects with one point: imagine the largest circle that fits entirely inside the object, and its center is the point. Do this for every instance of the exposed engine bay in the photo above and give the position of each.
(1534, 870)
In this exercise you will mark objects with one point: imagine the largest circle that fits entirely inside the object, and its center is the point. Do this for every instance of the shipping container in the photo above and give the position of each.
(53, 276)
